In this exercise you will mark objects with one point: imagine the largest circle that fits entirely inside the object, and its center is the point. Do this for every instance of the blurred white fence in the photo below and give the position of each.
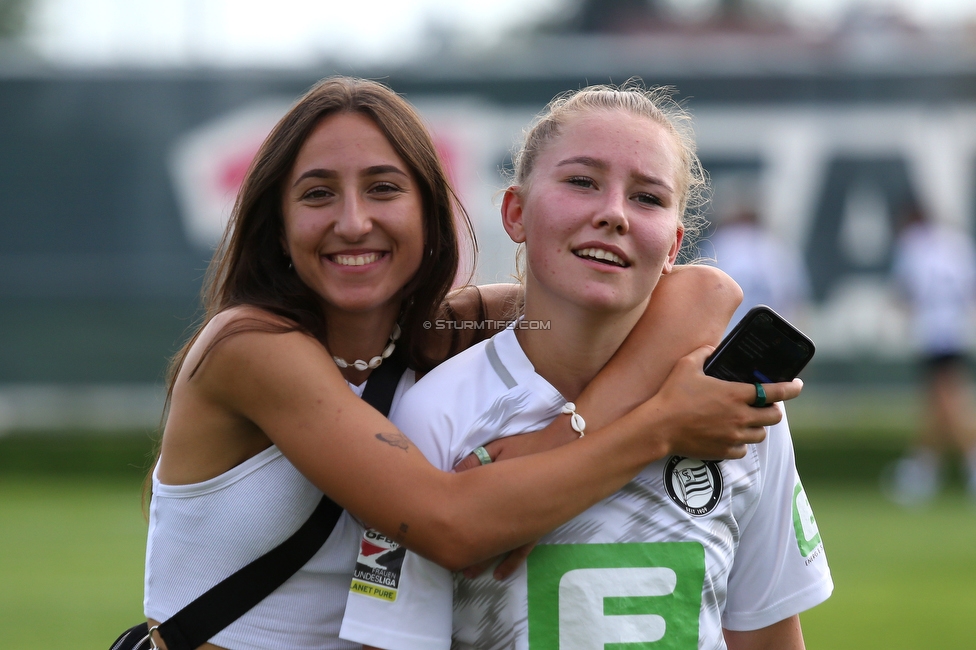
(82, 408)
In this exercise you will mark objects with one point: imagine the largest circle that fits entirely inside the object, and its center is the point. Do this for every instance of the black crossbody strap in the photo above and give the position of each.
(232, 597)
(382, 383)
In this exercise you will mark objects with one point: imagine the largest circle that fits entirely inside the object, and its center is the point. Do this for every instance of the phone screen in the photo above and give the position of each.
(762, 348)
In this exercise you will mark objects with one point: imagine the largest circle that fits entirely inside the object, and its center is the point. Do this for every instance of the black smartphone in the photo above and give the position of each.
(762, 348)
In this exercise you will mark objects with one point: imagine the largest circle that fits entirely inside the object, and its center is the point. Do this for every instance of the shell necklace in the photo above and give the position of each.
(373, 363)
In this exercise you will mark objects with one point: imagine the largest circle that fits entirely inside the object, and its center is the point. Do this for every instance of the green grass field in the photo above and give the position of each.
(71, 561)
(902, 579)
(71, 558)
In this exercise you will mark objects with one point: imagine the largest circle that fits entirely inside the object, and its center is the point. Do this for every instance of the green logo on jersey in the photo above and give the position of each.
(615, 596)
(804, 523)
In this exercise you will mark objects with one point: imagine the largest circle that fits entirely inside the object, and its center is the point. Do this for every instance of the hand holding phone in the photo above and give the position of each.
(763, 348)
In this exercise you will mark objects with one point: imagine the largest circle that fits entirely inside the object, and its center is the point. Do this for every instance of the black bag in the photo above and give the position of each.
(232, 597)
(135, 638)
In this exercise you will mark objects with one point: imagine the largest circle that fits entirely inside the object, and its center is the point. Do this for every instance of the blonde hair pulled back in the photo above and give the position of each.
(655, 103)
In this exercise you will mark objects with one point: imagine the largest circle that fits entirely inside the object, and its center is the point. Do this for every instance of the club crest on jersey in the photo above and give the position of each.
(695, 485)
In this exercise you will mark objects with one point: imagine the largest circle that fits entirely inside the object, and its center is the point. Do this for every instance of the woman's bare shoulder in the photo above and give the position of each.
(244, 364)
(241, 319)
(237, 333)
(244, 315)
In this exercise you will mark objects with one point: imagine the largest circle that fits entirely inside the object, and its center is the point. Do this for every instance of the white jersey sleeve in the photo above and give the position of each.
(780, 568)
(415, 613)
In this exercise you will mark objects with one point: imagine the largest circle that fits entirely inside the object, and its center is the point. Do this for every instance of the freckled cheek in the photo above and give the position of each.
(657, 242)
(544, 262)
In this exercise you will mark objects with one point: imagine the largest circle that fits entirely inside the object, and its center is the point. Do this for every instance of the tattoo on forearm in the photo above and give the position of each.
(397, 440)
(402, 532)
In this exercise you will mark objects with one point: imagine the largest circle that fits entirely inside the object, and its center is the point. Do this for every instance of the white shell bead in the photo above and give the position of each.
(373, 363)
(576, 420)
(578, 424)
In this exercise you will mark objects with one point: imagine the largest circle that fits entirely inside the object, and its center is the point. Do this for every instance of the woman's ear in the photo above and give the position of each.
(675, 247)
(512, 214)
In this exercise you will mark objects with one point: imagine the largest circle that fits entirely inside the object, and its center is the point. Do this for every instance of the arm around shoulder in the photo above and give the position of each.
(287, 387)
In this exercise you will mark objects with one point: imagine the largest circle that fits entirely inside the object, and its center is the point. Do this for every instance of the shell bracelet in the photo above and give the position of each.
(575, 420)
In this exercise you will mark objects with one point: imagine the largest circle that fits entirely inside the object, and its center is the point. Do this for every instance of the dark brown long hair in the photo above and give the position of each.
(250, 266)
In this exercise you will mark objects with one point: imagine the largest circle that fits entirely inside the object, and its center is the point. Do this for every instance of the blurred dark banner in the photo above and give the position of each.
(113, 183)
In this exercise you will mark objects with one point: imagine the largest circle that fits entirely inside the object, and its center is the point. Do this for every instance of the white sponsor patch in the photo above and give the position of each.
(377, 572)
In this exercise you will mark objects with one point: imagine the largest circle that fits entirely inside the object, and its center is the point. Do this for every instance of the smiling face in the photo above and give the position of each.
(599, 213)
(353, 216)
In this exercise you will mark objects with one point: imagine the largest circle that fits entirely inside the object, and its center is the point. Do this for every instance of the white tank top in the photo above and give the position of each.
(201, 533)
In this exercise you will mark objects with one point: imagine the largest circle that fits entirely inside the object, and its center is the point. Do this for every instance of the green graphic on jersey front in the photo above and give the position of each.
(615, 596)
(804, 523)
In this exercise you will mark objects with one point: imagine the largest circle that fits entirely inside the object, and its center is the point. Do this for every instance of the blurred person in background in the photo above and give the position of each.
(768, 270)
(340, 252)
(934, 268)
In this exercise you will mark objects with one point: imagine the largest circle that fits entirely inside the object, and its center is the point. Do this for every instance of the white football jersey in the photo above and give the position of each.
(686, 548)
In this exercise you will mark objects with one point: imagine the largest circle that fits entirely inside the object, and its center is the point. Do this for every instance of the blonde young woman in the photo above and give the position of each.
(341, 245)
(692, 553)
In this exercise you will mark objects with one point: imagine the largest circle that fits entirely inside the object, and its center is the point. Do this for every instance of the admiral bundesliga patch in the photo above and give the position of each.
(377, 573)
